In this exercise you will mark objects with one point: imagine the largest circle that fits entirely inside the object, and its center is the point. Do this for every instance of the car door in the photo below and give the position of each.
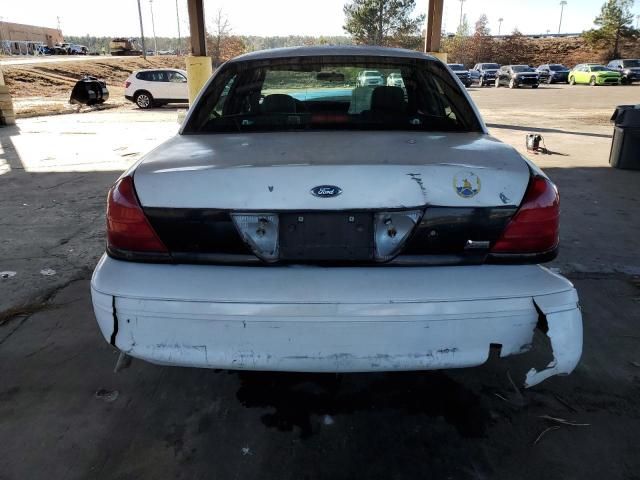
(176, 86)
(578, 74)
(145, 81)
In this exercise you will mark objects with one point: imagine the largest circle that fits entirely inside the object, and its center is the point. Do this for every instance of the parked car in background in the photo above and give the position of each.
(368, 78)
(462, 73)
(44, 50)
(394, 79)
(61, 49)
(516, 76)
(553, 73)
(593, 74)
(155, 87)
(227, 244)
(77, 50)
(486, 73)
(628, 68)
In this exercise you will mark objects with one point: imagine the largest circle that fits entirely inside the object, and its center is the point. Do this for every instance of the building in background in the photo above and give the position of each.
(20, 39)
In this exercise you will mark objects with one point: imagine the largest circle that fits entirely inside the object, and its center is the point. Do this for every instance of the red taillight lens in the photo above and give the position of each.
(126, 84)
(127, 227)
(535, 226)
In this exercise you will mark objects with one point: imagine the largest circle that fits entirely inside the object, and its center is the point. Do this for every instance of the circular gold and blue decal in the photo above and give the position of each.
(466, 184)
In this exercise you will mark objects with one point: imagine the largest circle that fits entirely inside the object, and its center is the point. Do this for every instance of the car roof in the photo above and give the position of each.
(159, 70)
(346, 50)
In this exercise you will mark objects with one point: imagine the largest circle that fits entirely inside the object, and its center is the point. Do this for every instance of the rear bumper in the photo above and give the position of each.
(129, 97)
(315, 319)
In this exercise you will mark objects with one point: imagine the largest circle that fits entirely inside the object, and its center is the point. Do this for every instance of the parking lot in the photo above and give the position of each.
(64, 412)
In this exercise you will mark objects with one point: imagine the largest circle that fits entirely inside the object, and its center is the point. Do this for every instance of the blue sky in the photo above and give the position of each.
(284, 17)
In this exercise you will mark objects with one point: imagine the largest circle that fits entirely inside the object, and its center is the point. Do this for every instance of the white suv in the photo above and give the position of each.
(152, 88)
(368, 78)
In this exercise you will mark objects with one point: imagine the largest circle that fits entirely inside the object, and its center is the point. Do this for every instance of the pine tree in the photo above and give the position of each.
(382, 22)
(615, 23)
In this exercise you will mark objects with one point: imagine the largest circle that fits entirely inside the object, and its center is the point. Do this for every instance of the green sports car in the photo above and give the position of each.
(594, 75)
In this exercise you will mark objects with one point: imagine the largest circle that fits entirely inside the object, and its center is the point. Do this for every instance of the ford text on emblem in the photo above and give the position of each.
(326, 191)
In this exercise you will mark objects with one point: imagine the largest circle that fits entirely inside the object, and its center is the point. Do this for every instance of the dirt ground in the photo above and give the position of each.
(65, 414)
(44, 87)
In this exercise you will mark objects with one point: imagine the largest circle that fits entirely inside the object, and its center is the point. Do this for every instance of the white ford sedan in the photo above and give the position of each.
(302, 222)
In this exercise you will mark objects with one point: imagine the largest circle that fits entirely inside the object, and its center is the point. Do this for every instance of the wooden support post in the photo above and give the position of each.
(199, 66)
(197, 28)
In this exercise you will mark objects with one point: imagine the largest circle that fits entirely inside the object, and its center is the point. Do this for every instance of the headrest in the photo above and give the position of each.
(278, 103)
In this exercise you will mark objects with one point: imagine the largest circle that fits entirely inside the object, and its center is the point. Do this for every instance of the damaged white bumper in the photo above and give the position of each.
(314, 319)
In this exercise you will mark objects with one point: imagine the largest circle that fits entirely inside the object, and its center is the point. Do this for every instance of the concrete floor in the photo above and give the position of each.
(160, 422)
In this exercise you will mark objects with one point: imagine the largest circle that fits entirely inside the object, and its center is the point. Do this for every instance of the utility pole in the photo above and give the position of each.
(179, 40)
(562, 4)
(500, 20)
(637, 21)
(144, 49)
(153, 26)
(461, 3)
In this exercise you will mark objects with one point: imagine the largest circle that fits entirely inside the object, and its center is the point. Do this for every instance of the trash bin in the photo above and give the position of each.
(625, 146)
(89, 91)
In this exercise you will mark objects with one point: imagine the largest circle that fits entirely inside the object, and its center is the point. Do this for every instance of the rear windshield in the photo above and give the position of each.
(314, 93)
(631, 63)
(456, 67)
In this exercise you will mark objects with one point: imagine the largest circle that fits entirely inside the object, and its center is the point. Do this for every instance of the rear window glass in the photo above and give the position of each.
(303, 94)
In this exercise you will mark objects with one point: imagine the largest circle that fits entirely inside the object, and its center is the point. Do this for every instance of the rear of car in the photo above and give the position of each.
(303, 222)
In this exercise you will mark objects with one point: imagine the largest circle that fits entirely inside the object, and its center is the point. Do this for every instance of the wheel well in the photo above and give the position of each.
(138, 92)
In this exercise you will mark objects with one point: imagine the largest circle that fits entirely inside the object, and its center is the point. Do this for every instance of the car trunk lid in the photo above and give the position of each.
(374, 170)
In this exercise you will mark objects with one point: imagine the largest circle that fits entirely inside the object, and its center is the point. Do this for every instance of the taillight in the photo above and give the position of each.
(126, 84)
(127, 227)
(535, 226)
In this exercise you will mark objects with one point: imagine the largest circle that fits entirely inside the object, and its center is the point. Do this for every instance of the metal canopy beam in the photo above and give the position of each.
(196, 27)
(434, 26)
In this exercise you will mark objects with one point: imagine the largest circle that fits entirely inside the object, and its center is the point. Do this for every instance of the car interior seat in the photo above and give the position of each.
(278, 103)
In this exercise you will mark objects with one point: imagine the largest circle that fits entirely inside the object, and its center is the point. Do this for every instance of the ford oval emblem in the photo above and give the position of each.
(325, 191)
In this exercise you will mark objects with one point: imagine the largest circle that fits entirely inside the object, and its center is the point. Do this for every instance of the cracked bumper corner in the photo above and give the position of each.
(565, 334)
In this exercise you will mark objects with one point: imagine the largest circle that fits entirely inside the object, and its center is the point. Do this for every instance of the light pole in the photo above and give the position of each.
(461, 3)
(144, 49)
(178, 18)
(562, 4)
(637, 21)
(153, 26)
(500, 20)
